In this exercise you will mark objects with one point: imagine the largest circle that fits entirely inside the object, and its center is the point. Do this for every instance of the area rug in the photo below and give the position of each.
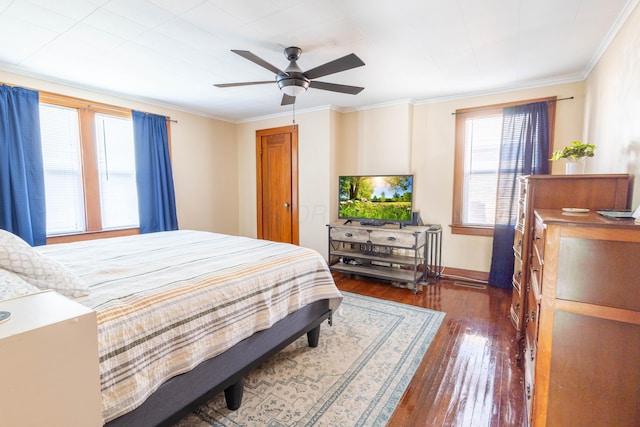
(355, 377)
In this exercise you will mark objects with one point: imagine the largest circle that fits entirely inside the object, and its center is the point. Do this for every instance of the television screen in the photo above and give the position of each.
(376, 198)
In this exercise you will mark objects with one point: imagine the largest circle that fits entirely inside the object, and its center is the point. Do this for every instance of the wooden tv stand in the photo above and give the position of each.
(385, 252)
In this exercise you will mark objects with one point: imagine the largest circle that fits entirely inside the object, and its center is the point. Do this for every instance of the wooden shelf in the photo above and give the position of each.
(395, 254)
(380, 272)
(390, 258)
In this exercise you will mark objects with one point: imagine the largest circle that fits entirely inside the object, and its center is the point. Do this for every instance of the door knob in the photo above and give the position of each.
(286, 205)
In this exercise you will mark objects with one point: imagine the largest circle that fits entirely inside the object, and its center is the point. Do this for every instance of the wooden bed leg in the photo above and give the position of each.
(233, 394)
(313, 337)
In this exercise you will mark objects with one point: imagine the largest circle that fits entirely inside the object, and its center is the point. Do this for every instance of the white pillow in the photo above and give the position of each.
(38, 269)
(11, 285)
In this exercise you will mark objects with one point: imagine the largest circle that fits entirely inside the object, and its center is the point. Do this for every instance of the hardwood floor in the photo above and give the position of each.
(469, 376)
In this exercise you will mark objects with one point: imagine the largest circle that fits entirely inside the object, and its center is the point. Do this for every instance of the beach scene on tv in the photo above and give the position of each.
(380, 198)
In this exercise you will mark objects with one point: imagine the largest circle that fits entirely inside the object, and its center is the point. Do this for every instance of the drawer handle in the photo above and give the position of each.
(391, 238)
(348, 234)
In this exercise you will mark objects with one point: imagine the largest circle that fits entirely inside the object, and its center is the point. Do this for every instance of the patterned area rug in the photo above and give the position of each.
(355, 377)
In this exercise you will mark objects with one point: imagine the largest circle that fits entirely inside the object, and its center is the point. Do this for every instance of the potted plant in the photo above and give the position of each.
(575, 154)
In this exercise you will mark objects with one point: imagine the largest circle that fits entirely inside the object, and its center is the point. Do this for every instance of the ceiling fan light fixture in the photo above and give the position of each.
(293, 86)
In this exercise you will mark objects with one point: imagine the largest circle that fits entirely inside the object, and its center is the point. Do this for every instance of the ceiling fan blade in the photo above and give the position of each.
(353, 90)
(287, 100)
(243, 83)
(257, 60)
(341, 64)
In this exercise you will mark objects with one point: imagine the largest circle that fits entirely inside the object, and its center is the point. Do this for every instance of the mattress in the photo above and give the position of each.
(167, 301)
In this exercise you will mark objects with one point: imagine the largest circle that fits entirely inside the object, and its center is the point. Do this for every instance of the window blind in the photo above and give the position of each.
(117, 172)
(481, 161)
(62, 169)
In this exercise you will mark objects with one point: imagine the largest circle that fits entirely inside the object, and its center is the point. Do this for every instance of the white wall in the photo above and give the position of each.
(612, 111)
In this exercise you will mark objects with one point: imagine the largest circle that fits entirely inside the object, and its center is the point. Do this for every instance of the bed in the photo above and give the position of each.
(184, 315)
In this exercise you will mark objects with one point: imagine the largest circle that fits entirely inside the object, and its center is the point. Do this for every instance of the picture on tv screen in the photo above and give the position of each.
(384, 198)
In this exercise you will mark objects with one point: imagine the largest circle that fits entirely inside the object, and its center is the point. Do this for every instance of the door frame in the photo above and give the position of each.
(293, 131)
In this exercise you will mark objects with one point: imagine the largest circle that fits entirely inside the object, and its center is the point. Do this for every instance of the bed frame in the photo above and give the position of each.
(182, 394)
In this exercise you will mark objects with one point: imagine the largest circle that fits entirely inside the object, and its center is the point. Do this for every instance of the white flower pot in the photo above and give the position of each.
(575, 167)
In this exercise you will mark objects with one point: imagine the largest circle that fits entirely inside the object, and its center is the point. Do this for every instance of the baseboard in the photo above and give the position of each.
(459, 273)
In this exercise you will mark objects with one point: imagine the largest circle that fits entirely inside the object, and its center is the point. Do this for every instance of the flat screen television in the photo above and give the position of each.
(376, 199)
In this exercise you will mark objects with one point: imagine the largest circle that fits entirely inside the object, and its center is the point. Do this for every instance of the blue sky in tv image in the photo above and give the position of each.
(382, 189)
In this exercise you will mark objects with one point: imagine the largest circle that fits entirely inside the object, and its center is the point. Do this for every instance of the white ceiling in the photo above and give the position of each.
(171, 52)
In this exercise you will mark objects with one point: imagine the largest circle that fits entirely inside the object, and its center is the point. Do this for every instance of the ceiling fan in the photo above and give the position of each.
(293, 81)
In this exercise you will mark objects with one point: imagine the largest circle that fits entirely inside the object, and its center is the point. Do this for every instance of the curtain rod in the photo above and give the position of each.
(80, 101)
(497, 107)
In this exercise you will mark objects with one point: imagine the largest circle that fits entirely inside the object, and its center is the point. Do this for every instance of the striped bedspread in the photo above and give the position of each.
(167, 301)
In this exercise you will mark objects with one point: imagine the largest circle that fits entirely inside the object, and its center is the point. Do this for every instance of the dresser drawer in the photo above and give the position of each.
(349, 235)
(391, 238)
(535, 278)
(517, 271)
(529, 371)
(523, 189)
(531, 314)
(517, 242)
(522, 214)
(538, 239)
(516, 306)
(585, 274)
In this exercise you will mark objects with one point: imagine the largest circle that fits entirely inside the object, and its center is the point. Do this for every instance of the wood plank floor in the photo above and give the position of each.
(469, 376)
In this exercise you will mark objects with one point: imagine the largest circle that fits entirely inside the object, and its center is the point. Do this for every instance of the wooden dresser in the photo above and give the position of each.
(582, 357)
(555, 191)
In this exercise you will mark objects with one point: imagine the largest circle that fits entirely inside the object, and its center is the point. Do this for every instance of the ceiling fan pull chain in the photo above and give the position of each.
(294, 113)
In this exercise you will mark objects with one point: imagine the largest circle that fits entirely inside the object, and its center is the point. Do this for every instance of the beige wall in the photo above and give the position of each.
(376, 141)
(316, 139)
(612, 111)
(204, 157)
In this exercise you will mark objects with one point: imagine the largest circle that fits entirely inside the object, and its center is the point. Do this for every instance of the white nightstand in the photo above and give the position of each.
(49, 369)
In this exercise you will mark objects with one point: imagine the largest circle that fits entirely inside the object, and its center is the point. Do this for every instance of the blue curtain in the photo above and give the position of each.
(156, 198)
(22, 197)
(524, 151)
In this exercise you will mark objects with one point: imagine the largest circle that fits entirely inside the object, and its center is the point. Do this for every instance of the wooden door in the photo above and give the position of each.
(277, 184)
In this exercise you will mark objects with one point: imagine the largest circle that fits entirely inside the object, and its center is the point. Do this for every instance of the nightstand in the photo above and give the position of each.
(49, 368)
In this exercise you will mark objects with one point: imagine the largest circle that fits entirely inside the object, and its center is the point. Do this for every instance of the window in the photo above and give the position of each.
(477, 157)
(62, 169)
(89, 167)
(481, 156)
(117, 171)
